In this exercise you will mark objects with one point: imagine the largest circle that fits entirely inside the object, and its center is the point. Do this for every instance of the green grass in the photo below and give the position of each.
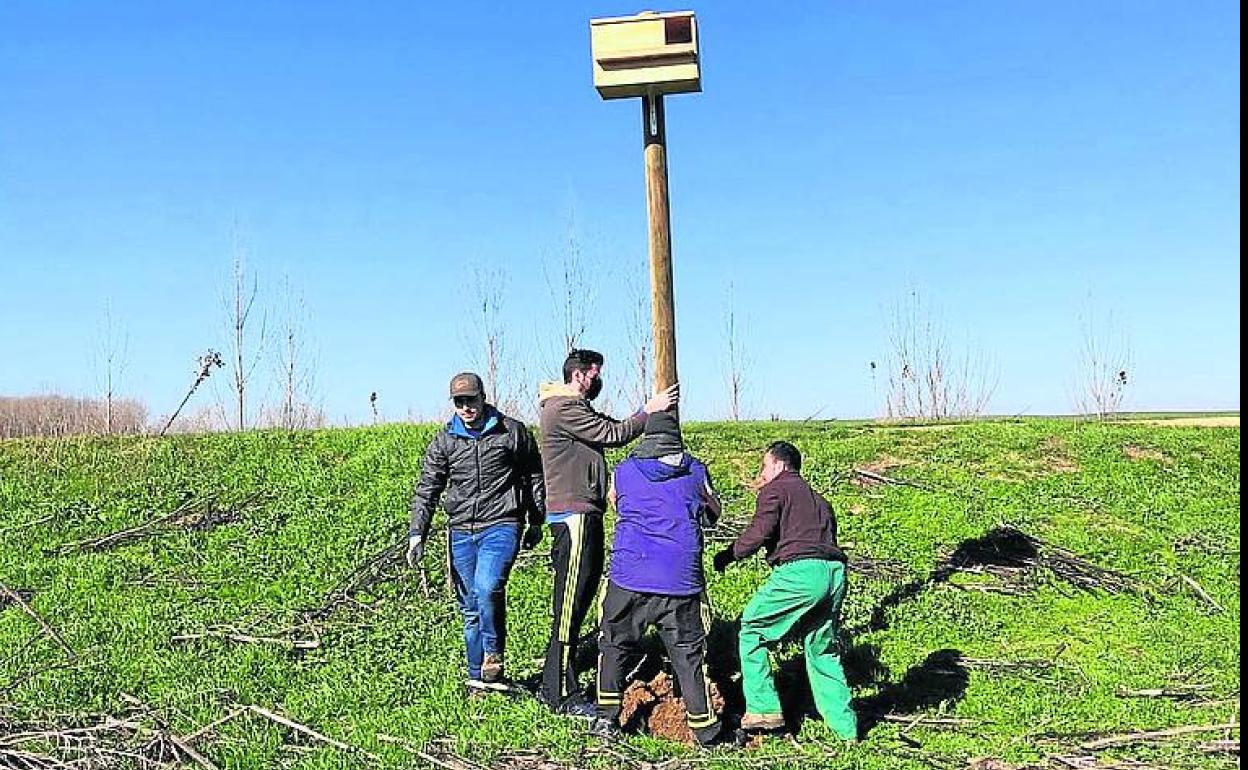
(1153, 502)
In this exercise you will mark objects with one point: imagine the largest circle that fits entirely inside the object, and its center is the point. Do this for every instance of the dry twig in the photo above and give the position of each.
(15, 597)
(1154, 735)
(1192, 584)
(882, 479)
(377, 569)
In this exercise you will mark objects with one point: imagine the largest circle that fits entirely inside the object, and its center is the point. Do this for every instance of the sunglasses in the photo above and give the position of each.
(462, 401)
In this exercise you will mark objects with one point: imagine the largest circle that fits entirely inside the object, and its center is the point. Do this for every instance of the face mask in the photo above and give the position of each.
(595, 388)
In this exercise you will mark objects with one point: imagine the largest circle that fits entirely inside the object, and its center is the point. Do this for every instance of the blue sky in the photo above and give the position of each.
(1011, 162)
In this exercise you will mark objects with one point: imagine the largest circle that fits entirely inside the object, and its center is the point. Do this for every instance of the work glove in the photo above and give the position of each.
(415, 550)
(532, 536)
(723, 559)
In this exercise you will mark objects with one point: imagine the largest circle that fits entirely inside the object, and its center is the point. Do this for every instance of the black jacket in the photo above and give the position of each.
(494, 478)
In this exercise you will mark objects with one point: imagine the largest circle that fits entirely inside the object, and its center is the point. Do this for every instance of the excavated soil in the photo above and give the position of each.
(654, 708)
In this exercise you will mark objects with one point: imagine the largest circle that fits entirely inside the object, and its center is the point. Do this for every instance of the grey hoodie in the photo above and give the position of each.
(573, 439)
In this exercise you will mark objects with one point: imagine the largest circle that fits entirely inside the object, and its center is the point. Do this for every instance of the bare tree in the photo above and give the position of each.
(1103, 364)
(572, 291)
(114, 347)
(372, 403)
(736, 361)
(486, 290)
(491, 350)
(634, 386)
(295, 370)
(238, 308)
(927, 375)
(203, 369)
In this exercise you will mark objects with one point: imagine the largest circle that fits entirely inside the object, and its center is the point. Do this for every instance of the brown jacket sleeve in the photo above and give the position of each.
(580, 420)
(765, 526)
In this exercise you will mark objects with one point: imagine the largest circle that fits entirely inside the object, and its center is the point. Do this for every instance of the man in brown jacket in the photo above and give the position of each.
(803, 596)
(574, 436)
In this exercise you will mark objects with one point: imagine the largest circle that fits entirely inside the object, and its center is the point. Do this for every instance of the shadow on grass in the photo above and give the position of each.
(1001, 547)
(940, 680)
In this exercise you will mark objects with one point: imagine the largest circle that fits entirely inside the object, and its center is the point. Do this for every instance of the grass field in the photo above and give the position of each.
(960, 653)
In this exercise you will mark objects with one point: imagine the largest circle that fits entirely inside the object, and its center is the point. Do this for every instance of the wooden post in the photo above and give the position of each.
(663, 306)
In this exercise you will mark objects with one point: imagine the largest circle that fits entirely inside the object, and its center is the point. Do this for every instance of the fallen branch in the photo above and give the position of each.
(15, 597)
(29, 675)
(198, 513)
(167, 733)
(1201, 592)
(308, 731)
(991, 588)
(1175, 692)
(455, 763)
(377, 569)
(876, 569)
(1220, 747)
(202, 731)
(236, 636)
(27, 524)
(1008, 666)
(926, 720)
(129, 535)
(882, 479)
(1155, 735)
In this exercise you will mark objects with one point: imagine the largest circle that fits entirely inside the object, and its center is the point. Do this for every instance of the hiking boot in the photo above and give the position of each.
(492, 668)
(475, 688)
(605, 728)
(762, 723)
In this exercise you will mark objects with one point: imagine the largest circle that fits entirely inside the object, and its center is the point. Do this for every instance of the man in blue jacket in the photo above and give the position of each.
(490, 467)
(664, 499)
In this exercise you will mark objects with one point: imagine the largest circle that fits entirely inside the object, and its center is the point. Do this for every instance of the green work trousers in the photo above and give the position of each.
(800, 598)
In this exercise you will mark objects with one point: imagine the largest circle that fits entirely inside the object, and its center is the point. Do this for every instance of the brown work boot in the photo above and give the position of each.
(492, 668)
(762, 723)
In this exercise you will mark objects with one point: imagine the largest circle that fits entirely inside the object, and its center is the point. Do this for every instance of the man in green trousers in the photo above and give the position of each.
(802, 596)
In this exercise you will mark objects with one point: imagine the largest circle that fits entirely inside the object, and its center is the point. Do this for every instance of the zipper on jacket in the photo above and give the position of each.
(476, 499)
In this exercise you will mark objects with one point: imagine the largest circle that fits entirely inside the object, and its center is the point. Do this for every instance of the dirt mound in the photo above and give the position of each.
(653, 707)
(1145, 453)
(1056, 456)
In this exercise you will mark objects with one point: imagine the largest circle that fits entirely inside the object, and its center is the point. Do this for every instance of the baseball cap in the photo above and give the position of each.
(466, 384)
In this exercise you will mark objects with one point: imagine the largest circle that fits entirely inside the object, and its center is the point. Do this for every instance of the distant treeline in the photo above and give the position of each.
(53, 415)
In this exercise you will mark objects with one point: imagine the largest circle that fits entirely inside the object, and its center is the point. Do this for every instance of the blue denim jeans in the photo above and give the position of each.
(480, 564)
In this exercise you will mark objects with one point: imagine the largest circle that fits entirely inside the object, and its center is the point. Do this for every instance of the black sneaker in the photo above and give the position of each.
(578, 707)
(604, 728)
(712, 736)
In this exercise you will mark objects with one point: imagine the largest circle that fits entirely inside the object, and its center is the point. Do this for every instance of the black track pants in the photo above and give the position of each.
(577, 558)
(683, 623)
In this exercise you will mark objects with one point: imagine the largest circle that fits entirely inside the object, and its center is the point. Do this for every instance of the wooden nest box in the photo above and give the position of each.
(650, 53)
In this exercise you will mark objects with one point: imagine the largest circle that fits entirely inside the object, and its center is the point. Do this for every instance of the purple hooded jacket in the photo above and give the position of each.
(658, 536)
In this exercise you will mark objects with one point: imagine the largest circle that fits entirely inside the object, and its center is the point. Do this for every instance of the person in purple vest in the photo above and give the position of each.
(664, 499)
